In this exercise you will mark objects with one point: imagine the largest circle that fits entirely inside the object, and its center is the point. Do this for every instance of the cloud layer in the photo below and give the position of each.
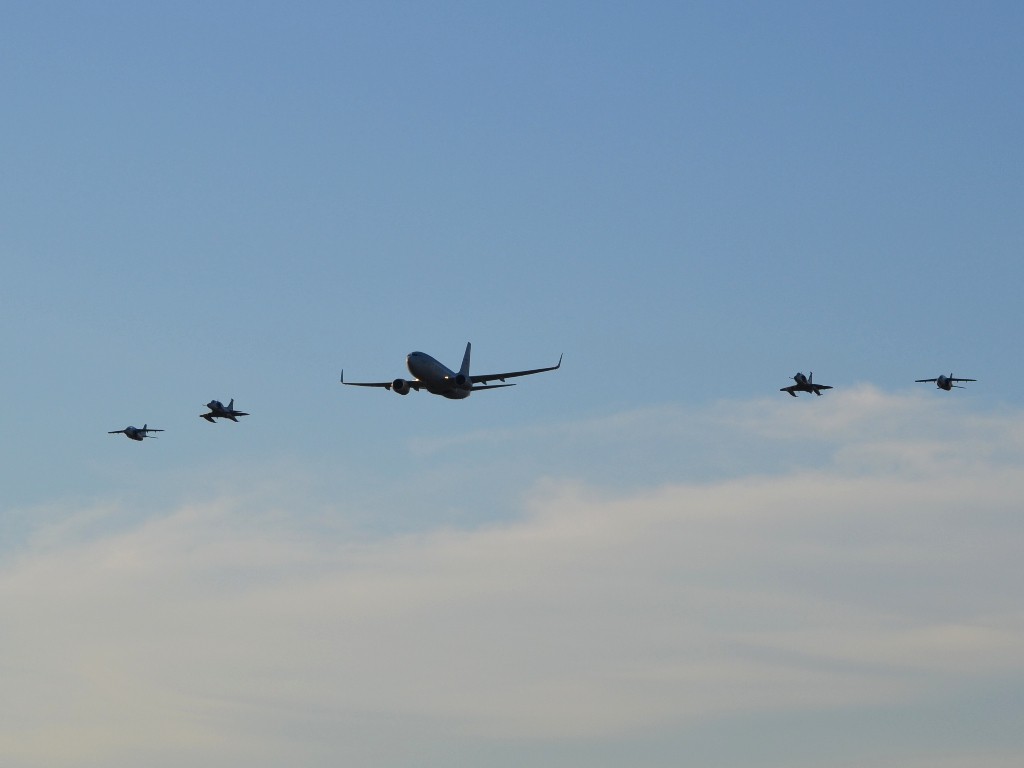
(880, 581)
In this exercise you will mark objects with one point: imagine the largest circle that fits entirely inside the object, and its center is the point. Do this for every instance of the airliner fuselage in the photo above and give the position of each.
(435, 377)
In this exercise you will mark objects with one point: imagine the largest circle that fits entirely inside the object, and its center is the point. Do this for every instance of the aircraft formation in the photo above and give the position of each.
(427, 374)
(806, 384)
(436, 378)
(217, 411)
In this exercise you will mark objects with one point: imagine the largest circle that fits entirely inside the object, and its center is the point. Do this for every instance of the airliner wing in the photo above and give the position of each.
(413, 383)
(483, 378)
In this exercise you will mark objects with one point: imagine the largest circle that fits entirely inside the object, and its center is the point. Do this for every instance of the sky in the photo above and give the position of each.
(650, 556)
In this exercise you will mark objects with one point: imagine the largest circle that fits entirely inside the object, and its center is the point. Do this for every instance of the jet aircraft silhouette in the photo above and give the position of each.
(804, 384)
(219, 411)
(134, 433)
(438, 379)
(945, 382)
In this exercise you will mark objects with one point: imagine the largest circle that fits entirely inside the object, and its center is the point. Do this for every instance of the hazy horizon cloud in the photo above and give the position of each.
(226, 633)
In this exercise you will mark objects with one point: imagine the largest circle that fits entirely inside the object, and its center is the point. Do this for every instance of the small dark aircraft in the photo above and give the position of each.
(219, 411)
(945, 382)
(437, 379)
(134, 433)
(804, 384)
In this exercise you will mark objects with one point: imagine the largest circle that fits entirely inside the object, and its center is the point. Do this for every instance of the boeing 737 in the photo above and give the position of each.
(945, 382)
(134, 433)
(219, 411)
(438, 379)
(804, 384)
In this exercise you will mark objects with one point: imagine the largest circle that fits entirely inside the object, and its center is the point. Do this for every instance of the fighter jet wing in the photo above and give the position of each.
(413, 383)
(959, 379)
(483, 378)
(922, 381)
(792, 389)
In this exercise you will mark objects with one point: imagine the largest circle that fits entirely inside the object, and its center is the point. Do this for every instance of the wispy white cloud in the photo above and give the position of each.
(224, 633)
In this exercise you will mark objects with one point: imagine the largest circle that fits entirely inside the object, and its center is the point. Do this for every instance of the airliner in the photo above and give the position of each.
(438, 379)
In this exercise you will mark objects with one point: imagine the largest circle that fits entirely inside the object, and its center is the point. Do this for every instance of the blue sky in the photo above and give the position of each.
(648, 554)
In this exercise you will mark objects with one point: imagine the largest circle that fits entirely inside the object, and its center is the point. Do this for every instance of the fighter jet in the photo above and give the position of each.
(134, 433)
(218, 411)
(437, 379)
(804, 384)
(945, 382)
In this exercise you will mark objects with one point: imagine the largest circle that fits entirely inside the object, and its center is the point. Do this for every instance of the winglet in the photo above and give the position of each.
(342, 375)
